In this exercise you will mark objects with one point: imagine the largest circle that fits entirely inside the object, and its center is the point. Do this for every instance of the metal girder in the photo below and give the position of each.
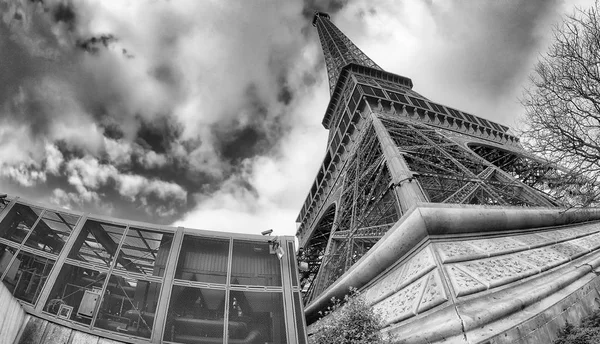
(367, 209)
(451, 173)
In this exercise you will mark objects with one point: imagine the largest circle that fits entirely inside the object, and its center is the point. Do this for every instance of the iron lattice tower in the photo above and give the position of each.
(390, 148)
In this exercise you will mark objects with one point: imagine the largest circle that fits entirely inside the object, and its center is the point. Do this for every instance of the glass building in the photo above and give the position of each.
(138, 283)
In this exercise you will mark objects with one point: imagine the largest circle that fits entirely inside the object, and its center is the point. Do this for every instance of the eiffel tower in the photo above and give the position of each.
(390, 150)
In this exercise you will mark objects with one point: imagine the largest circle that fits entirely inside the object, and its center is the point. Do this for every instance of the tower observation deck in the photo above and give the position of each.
(391, 150)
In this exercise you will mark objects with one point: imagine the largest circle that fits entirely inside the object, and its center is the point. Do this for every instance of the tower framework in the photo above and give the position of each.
(390, 150)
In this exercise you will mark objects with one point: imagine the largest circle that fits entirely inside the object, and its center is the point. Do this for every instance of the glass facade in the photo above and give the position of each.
(143, 283)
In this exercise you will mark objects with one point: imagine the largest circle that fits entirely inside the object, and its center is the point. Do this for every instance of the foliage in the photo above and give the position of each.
(562, 119)
(349, 322)
(587, 333)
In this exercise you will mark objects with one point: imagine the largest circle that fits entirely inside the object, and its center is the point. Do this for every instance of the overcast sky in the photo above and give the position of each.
(206, 114)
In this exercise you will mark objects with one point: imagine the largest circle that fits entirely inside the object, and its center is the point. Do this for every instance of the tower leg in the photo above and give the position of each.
(407, 188)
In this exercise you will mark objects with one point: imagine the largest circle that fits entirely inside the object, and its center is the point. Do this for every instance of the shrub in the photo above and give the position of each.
(349, 322)
(586, 333)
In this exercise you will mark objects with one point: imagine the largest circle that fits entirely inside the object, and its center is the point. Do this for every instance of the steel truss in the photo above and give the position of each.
(450, 173)
(565, 187)
(367, 209)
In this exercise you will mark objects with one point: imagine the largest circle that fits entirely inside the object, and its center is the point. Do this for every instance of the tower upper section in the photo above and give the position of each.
(339, 51)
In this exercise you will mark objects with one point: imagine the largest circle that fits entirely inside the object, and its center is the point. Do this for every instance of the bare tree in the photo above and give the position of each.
(562, 119)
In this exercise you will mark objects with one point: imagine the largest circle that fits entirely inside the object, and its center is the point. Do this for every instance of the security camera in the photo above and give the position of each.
(267, 232)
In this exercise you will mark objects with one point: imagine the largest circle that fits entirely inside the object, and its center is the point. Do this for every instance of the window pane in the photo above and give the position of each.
(3, 204)
(97, 243)
(254, 264)
(6, 255)
(203, 260)
(18, 222)
(294, 264)
(144, 252)
(128, 306)
(52, 231)
(196, 315)
(299, 319)
(76, 293)
(26, 275)
(256, 317)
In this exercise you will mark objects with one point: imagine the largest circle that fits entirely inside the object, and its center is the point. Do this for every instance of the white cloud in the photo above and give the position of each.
(151, 159)
(118, 151)
(88, 173)
(54, 159)
(280, 181)
(132, 186)
(24, 174)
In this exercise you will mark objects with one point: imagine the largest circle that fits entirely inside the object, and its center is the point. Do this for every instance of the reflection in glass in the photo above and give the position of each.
(18, 222)
(298, 311)
(260, 313)
(6, 255)
(128, 306)
(52, 231)
(97, 243)
(3, 204)
(203, 260)
(144, 252)
(254, 264)
(26, 276)
(77, 288)
(293, 263)
(196, 315)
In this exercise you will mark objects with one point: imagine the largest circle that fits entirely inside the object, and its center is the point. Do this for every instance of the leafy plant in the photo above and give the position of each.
(350, 321)
(586, 333)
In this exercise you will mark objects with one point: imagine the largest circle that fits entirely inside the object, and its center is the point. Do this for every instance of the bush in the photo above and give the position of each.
(348, 322)
(586, 333)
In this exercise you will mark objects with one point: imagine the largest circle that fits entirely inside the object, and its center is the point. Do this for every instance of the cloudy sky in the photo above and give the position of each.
(206, 114)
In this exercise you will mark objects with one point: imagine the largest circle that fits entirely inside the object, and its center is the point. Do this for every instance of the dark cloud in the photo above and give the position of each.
(95, 43)
(328, 6)
(64, 12)
(244, 143)
(159, 134)
(167, 74)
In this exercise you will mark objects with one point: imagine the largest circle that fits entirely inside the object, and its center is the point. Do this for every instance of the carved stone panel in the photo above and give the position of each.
(418, 265)
(585, 242)
(463, 283)
(559, 235)
(570, 250)
(385, 286)
(458, 251)
(590, 242)
(401, 305)
(498, 270)
(533, 240)
(402, 275)
(498, 245)
(586, 229)
(543, 258)
(434, 293)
